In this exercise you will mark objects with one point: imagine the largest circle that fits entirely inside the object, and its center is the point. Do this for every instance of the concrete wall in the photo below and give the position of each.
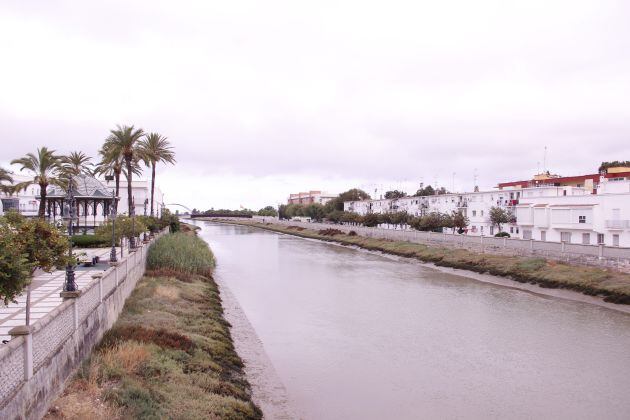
(35, 366)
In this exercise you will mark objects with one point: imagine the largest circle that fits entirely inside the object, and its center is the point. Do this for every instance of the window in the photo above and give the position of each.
(517, 230)
(482, 230)
(582, 219)
(511, 229)
(615, 240)
(527, 234)
(482, 212)
(600, 238)
(474, 213)
(565, 237)
(586, 239)
(543, 235)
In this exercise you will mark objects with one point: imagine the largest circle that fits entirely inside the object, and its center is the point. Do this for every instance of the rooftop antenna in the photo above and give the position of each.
(538, 167)
(453, 183)
(474, 179)
(545, 161)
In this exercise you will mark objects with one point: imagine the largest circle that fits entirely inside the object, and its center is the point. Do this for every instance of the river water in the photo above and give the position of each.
(358, 335)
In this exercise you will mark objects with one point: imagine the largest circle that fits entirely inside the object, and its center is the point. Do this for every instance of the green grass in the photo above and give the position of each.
(613, 286)
(181, 252)
(170, 354)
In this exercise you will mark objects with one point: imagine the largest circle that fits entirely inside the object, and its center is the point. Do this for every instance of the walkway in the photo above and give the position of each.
(45, 289)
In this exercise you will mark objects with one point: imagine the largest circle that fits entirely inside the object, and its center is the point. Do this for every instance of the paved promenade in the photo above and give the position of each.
(45, 289)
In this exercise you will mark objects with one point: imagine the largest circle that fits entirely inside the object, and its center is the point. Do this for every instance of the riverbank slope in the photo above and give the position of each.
(170, 354)
(612, 286)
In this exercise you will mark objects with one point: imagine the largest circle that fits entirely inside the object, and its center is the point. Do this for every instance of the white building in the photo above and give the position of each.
(574, 211)
(589, 219)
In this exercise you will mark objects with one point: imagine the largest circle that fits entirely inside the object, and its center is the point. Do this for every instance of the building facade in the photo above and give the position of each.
(587, 209)
(311, 197)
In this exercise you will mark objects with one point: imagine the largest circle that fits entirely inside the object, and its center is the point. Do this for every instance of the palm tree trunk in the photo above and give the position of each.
(129, 179)
(42, 201)
(117, 180)
(152, 185)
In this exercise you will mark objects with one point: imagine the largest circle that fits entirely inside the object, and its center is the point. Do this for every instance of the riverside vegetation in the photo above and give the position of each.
(170, 354)
(611, 285)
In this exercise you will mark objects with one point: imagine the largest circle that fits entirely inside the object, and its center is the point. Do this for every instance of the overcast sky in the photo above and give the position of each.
(264, 98)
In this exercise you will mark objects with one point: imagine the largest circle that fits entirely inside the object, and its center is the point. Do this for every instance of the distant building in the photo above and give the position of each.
(310, 197)
(585, 209)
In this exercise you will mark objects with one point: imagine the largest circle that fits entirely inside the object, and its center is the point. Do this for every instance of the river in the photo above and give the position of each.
(358, 335)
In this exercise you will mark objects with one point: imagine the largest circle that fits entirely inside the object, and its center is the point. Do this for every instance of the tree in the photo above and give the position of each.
(126, 140)
(268, 211)
(460, 221)
(424, 191)
(353, 194)
(26, 245)
(395, 194)
(5, 176)
(124, 227)
(399, 218)
(155, 148)
(433, 221)
(76, 163)
(315, 211)
(44, 166)
(113, 164)
(370, 220)
(499, 216)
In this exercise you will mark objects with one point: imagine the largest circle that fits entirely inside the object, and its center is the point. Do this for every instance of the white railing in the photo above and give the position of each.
(617, 224)
(28, 352)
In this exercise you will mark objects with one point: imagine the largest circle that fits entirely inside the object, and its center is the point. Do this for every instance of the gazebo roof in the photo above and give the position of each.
(85, 186)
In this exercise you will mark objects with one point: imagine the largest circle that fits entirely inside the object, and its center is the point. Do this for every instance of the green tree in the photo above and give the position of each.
(605, 165)
(424, 191)
(124, 227)
(499, 217)
(315, 211)
(5, 176)
(268, 211)
(395, 194)
(27, 245)
(353, 194)
(76, 163)
(400, 218)
(370, 220)
(126, 141)
(44, 167)
(155, 148)
(460, 221)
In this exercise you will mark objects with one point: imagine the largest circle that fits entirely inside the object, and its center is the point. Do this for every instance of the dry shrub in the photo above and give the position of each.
(168, 272)
(160, 337)
(128, 355)
(167, 292)
(298, 228)
(330, 232)
(352, 233)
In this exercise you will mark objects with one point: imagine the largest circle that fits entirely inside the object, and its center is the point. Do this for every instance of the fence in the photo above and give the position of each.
(596, 255)
(36, 362)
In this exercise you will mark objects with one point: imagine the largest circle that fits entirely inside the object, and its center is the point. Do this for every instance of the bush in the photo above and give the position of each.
(330, 232)
(125, 227)
(181, 252)
(90, 241)
(352, 233)
(502, 235)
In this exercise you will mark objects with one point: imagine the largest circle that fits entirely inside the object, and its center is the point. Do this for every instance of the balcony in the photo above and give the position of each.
(617, 224)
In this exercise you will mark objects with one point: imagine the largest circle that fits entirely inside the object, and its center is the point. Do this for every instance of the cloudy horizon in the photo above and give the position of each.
(265, 99)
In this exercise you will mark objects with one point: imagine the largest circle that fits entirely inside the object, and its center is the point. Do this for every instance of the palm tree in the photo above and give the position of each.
(124, 140)
(113, 164)
(5, 176)
(44, 166)
(76, 163)
(155, 148)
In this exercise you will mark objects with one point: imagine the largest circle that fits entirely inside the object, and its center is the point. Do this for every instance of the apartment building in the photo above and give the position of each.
(310, 197)
(585, 209)
(589, 219)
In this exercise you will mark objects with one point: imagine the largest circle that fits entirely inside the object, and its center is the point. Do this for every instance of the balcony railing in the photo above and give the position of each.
(617, 224)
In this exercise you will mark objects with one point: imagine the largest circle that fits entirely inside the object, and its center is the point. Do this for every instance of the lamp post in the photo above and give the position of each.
(69, 284)
(113, 259)
(132, 240)
(146, 201)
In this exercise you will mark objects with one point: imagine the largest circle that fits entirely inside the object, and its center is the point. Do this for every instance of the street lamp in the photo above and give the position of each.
(69, 211)
(146, 201)
(132, 240)
(112, 255)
